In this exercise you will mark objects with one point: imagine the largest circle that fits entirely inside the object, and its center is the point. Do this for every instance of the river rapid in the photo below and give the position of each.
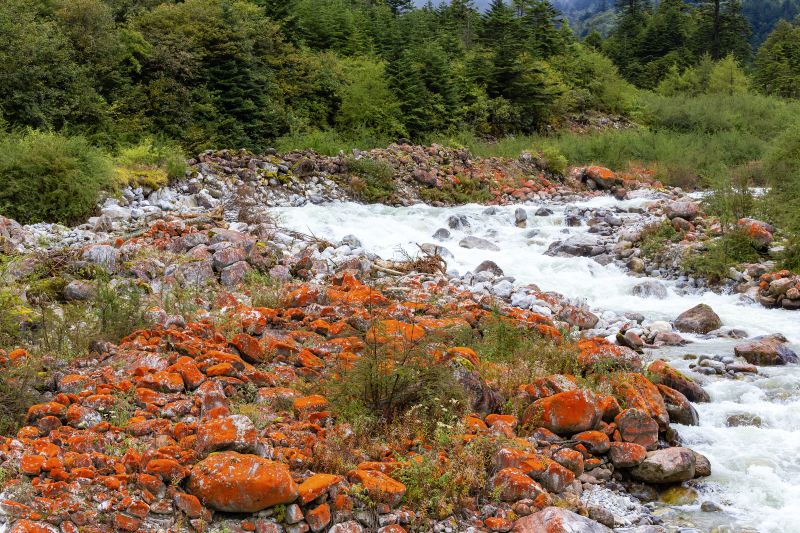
(756, 470)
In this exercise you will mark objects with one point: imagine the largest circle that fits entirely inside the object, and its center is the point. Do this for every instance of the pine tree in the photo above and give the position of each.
(539, 24)
(777, 65)
(723, 29)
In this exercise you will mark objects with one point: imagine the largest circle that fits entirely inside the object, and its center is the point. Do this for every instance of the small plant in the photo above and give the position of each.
(553, 160)
(265, 291)
(463, 191)
(656, 237)
(149, 165)
(728, 251)
(18, 391)
(790, 257)
(372, 180)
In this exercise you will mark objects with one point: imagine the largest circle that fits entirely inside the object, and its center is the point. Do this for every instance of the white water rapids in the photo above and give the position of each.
(756, 470)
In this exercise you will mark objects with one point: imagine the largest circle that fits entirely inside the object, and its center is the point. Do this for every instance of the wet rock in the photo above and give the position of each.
(459, 222)
(698, 319)
(670, 465)
(743, 419)
(441, 234)
(557, 520)
(582, 245)
(710, 507)
(766, 351)
(543, 212)
(680, 410)
(520, 217)
(472, 242)
(650, 289)
(489, 266)
(238, 483)
(662, 373)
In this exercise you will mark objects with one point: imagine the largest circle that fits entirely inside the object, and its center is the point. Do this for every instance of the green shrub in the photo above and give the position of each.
(554, 160)
(149, 165)
(655, 238)
(372, 180)
(790, 257)
(466, 191)
(728, 251)
(50, 177)
(18, 391)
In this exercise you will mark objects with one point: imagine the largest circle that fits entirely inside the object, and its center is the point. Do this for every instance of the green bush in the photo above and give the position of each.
(466, 191)
(655, 238)
(49, 177)
(782, 168)
(730, 250)
(372, 180)
(150, 165)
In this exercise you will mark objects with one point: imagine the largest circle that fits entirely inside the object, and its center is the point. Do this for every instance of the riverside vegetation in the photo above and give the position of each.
(173, 359)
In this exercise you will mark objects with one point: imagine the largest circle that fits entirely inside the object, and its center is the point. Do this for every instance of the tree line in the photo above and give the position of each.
(242, 73)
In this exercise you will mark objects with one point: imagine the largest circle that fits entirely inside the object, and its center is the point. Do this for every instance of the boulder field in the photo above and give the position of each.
(228, 418)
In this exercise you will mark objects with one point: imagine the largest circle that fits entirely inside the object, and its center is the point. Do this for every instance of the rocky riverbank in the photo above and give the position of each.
(236, 401)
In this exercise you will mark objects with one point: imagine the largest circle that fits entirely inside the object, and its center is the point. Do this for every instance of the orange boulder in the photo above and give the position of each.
(239, 483)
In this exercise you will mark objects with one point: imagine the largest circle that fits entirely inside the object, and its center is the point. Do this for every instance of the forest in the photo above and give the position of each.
(149, 78)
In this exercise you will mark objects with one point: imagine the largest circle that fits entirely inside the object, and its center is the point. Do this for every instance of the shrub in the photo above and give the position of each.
(728, 251)
(654, 238)
(790, 257)
(465, 191)
(372, 179)
(18, 392)
(149, 165)
(553, 160)
(50, 177)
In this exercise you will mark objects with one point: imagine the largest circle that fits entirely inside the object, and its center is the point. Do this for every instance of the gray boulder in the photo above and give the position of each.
(472, 242)
(670, 465)
(766, 351)
(684, 209)
(650, 289)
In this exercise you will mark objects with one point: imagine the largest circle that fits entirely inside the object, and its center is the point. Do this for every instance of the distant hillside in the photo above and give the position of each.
(588, 15)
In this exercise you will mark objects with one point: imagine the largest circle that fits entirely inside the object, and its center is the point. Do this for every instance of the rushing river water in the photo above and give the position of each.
(756, 470)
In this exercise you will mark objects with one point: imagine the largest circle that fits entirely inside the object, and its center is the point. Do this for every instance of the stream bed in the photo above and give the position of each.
(756, 468)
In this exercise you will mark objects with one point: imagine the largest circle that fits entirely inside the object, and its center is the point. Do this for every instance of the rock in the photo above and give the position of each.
(636, 265)
(650, 289)
(582, 245)
(565, 413)
(512, 484)
(238, 483)
(670, 465)
(228, 256)
(601, 177)
(636, 426)
(380, 487)
(766, 351)
(710, 507)
(698, 319)
(579, 316)
(441, 234)
(759, 232)
(680, 410)
(684, 209)
(79, 291)
(660, 372)
(472, 242)
(489, 266)
(520, 217)
(233, 275)
(626, 454)
(235, 432)
(669, 339)
(102, 255)
(743, 419)
(557, 520)
(543, 212)
(457, 222)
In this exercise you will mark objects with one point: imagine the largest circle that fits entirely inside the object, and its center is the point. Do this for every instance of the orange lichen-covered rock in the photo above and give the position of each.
(636, 391)
(310, 404)
(395, 330)
(596, 442)
(565, 413)
(380, 487)
(31, 465)
(238, 483)
(40, 410)
(252, 351)
(626, 454)
(597, 352)
(30, 526)
(235, 432)
(638, 427)
(317, 485)
(162, 382)
(319, 517)
(661, 373)
(513, 484)
(188, 504)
